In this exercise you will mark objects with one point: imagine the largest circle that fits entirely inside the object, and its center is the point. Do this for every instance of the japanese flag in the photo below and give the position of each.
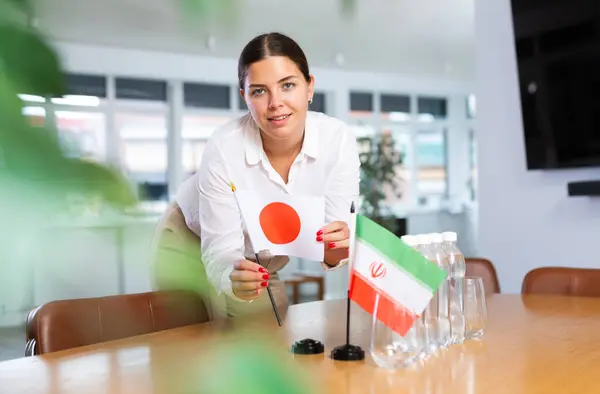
(283, 224)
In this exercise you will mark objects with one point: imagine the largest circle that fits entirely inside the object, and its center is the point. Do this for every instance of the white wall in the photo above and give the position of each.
(526, 219)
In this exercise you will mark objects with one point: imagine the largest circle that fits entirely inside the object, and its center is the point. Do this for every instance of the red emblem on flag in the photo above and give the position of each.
(377, 270)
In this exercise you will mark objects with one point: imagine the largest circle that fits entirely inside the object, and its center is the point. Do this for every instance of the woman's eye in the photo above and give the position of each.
(258, 92)
(288, 85)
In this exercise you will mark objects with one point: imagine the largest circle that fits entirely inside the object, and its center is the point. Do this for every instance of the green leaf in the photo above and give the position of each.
(348, 8)
(197, 7)
(30, 63)
(252, 364)
(23, 5)
(32, 155)
(14, 12)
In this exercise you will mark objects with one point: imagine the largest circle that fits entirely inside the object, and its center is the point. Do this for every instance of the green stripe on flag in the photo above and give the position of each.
(399, 254)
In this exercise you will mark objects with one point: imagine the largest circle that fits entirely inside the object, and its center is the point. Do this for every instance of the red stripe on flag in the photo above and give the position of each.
(389, 312)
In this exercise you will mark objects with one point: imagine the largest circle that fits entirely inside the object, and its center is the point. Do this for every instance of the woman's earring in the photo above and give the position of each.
(310, 100)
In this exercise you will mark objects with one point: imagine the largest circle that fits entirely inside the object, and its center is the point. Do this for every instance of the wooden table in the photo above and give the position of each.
(533, 344)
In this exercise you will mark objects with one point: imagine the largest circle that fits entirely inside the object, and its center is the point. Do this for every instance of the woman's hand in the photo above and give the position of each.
(336, 239)
(248, 279)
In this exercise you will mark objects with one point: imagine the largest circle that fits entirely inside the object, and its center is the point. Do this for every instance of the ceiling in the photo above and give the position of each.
(424, 37)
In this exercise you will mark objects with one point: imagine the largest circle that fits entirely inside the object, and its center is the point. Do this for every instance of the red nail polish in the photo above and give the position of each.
(265, 276)
(331, 245)
(319, 232)
(264, 284)
(261, 269)
(319, 238)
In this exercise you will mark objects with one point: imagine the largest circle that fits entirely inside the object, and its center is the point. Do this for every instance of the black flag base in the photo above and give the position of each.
(308, 346)
(348, 353)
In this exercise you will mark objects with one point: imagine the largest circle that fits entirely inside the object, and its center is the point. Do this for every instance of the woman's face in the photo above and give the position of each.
(277, 95)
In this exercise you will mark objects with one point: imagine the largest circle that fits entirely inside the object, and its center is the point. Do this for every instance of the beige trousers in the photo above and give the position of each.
(176, 264)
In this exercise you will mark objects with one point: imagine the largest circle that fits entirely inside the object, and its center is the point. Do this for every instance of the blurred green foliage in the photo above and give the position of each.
(252, 366)
(32, 155)
(209, 16)
(36, 179)
(348, 7)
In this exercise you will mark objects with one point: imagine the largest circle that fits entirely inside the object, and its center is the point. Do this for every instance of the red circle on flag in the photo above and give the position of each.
(280, 223)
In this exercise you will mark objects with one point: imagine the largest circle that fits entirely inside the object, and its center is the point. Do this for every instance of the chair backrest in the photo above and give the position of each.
(484, 269)
(176, 261)
(65, 324)
(583, 282)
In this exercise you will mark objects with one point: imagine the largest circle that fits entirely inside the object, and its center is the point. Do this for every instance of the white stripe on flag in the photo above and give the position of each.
(395, 283)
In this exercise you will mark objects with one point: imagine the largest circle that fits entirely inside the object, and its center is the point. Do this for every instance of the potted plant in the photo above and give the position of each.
(379, 163)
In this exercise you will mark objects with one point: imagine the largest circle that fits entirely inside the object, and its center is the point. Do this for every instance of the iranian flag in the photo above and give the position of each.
(384, 265)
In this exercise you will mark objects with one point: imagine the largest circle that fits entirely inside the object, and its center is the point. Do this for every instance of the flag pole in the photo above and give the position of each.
(348, 352)
(350, 264)
(273, 303)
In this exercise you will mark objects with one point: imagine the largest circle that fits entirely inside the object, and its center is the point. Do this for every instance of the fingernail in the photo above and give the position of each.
(319, 232)
(331, 245)
(261, 269)
(265, 276)
(319, 238)
(264, 284)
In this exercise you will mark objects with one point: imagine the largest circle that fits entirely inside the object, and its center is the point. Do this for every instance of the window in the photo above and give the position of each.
(201, 95)
(362, 130)
(82, 134)
(196, 131)
(432, 108)
(403, 194)
(361, 104)
(143, 152)
(395, 108)
(318, 103)
(141, 89)
(86, 85)
(35, 116)
(431, 166)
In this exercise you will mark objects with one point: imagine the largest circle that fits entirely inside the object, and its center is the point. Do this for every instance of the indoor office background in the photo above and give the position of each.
(149, 112)
(154, 129)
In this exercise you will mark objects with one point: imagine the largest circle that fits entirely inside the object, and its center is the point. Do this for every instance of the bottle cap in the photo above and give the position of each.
(449, 236)
(436, 238)
(423, 239)
(410, 240)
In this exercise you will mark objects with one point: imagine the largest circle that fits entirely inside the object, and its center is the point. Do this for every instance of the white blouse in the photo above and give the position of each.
(328, 165)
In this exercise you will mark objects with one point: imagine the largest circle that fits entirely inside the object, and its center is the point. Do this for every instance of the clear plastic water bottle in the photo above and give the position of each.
(457, 273)
(428, 331)
(434, 330)
(443, 306)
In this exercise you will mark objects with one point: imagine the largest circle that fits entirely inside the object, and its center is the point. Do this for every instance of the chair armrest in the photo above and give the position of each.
(31, 333)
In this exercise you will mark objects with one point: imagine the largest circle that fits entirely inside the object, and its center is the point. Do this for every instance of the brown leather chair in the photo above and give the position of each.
(484, 269)
(583, 282)
(65, 324)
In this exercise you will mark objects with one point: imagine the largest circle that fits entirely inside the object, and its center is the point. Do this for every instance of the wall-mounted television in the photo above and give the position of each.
(558, 57)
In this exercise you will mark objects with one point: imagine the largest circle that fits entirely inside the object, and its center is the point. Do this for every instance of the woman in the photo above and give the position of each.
(278, 146)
